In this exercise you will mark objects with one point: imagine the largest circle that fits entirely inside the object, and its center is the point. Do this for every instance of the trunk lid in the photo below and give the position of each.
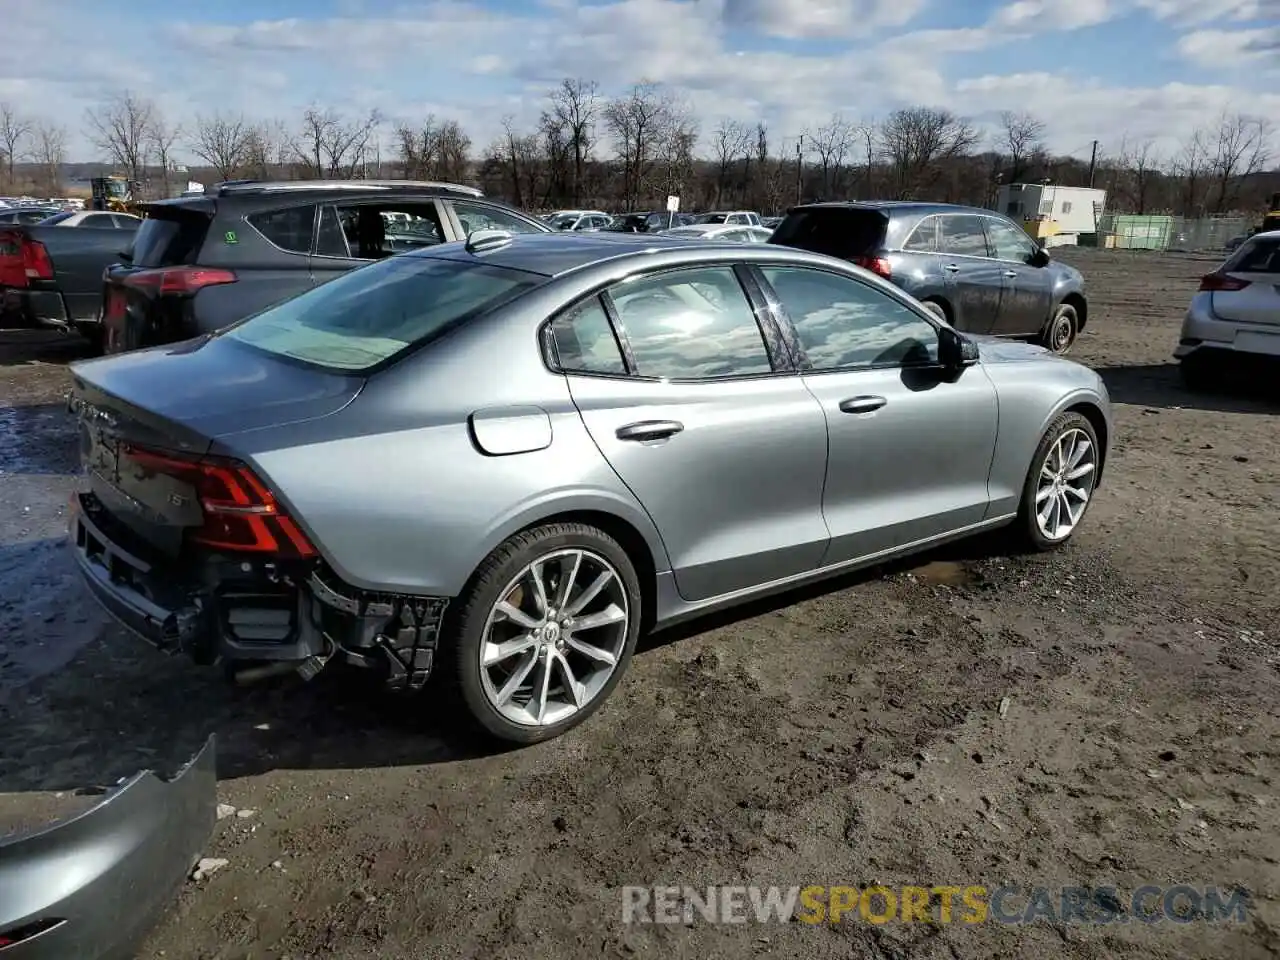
(847, 232)
(1257, 264)
(182, 399)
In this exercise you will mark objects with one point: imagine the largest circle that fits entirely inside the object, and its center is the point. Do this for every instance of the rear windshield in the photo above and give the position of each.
(368, 316)
(169, 239)
(844, 233)
(1256, 256)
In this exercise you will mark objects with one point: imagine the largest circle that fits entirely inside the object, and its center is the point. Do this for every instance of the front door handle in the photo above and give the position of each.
(862, 404)
(1011, 274)
(650, 430)
(951, 267)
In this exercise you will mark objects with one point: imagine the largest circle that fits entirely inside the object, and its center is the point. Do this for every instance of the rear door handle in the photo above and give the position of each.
(650, 430)
(1011, 274)
(862, 404)
(951, 267)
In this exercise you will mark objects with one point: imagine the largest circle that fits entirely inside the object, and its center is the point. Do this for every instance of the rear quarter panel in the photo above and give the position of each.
(396, 493)
(79, 255)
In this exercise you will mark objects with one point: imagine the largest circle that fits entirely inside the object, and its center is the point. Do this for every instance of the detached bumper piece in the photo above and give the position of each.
(255, 615)
(91, 887)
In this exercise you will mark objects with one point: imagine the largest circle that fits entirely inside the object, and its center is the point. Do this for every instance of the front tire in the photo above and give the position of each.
(1060, 483)
(544, 631)
(1060, 332)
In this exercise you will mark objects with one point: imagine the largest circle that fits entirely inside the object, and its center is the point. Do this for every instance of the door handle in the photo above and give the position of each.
(650, 430)
(951, 267)
(862, 404)
(1011, 274)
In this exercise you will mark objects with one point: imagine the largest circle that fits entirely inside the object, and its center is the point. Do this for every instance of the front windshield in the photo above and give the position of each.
(712, 218)
(563, 222)
(370, 315)
(117, 188)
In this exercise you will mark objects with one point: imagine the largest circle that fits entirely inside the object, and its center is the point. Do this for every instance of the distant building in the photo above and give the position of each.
(1050, 211)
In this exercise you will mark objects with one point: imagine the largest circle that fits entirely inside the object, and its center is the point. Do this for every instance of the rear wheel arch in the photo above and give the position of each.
(1093, 413)
(948, 314)
(1076, 301)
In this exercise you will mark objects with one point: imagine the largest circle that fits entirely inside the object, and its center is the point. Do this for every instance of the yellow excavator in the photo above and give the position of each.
(1271, 219)
(115, 193)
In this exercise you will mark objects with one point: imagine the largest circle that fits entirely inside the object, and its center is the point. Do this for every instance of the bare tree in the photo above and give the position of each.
(330, 145)
(1139, 166)
(574, 105)
(831, 143)
(223, 141)
(869, 136)
(730, 141)
(120, 127)
(1021, 136)
(639, 124)
(15, 129)
(49, 151)
(162, 136)
(679, 138)
(1192, 165)
(918, 140)
(1241, 150)
(434, 151)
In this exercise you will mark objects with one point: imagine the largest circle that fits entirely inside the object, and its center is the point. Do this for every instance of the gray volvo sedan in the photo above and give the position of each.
(500, 461)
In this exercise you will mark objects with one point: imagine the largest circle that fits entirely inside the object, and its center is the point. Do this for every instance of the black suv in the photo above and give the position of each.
(201, 263)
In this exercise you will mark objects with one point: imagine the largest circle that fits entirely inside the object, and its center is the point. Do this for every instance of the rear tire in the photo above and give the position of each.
(1059, 485)
(937, 309)
(530, 662)
(1060, 332)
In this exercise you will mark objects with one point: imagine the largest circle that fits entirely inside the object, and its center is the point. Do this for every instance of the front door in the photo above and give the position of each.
(909, 452)
(351, 234)
(725, 454)
(974, 281)
(1027, 293)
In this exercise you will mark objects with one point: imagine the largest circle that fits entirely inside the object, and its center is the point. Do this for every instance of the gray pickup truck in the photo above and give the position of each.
(52, 276)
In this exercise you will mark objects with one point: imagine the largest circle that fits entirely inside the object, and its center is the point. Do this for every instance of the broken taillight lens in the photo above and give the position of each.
(35, 260)
(179, 281)
(880, 266)
(240, 514)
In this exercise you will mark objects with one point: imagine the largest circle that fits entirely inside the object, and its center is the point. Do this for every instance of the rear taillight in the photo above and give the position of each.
(240, 514)
(880, 266)
(178, 281)
(1221, 283)
(35, 260)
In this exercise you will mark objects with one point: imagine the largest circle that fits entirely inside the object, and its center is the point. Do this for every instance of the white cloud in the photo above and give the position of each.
(820, 19)
(1220, 49)
(1046, 15)
(1210, 11)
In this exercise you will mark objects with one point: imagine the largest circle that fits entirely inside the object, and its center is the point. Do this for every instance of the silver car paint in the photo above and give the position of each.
(398, 498)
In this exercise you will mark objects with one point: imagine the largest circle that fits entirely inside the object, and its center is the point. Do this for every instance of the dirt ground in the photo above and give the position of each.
(850, 735)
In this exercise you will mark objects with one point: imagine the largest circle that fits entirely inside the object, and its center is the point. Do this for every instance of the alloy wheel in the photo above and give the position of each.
(1065, 484)
(554, 637)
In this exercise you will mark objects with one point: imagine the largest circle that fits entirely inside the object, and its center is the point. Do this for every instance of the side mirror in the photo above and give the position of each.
(1040, 258)
(955, 350)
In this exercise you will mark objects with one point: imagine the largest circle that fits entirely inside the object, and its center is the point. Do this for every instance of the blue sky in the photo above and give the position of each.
(1120, 71)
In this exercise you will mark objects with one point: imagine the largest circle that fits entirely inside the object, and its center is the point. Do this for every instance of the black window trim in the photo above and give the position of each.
(771, 333)
(805, 365)
(966, 256)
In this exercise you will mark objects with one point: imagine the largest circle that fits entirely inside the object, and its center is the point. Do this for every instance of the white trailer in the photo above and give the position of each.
(1063, 213)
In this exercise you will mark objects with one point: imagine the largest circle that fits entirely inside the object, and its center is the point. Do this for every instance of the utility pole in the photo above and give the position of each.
(1093, 163)
(800, 169)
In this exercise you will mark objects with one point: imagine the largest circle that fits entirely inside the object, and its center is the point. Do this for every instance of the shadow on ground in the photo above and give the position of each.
(1160, 385)
(119, 706)
(22, 346)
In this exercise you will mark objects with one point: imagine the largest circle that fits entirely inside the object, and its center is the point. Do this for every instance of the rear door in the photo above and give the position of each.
(716, 437)
(1257, 304)
(1026, 296)
(974, 281)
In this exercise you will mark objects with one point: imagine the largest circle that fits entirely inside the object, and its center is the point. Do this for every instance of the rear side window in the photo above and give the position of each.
(169, 239)
(369, 316)
(100, 220)
(585, 342)
(691, 325)
(835, 231)
(1256, 256)
(288, 229)
(924, 238)
(962, 235)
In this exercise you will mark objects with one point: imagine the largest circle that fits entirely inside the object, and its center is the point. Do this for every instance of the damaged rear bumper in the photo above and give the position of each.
(254, 613)
(91, 887)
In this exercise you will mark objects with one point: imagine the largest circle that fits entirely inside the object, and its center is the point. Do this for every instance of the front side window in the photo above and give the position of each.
(483, 216)
(842, 323)
(962, 235)
(368, 316)
(289, 229)
(1009, 243)
(585, 341)
(691, 325)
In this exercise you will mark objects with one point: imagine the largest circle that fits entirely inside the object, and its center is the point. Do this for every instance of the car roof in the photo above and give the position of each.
(916, 207)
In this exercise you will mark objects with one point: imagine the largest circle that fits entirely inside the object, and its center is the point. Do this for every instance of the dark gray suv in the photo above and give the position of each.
(974, 268)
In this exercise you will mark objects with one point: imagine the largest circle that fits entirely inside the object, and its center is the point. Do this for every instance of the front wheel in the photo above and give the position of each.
(1060, 482)
(544, 631)
(1060, 333)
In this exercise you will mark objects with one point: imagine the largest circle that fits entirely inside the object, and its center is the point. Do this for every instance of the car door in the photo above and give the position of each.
(1026, 295)
(909, 448)
(343, 227)
(974, 281)
(708, 427)
(472, 215)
